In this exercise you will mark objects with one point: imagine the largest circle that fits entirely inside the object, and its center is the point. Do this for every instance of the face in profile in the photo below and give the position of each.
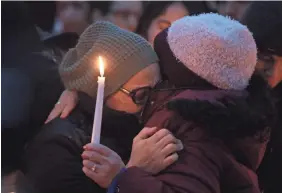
(133, 95)
(276, 77)
(125, 14)
(172, 13)
(270, 67)
(234, 9)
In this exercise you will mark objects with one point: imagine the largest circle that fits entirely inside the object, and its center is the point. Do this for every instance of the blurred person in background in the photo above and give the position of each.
(159, 15)
(234, 9)
(30, 82)
(43, 16)
(264, 19)
(75, 16)
(125, 14)
(72, 16)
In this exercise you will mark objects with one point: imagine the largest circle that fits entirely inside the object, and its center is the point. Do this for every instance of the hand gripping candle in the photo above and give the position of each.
(96, 132)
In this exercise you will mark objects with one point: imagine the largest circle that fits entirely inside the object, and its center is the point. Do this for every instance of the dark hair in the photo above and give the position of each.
(42, 13)
(268, 39)
(15, 15)
(19, 35)
(232, 117)
(156, 8)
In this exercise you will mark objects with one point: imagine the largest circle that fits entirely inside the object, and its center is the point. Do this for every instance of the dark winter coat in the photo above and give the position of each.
(53, 160)
(270, 171)
(31, 83)
(206, 165)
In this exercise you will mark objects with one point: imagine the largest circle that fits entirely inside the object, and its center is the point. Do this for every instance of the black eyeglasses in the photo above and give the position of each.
(139, 95)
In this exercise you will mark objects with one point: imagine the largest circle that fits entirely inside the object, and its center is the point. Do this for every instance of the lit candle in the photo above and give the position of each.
(96, 132)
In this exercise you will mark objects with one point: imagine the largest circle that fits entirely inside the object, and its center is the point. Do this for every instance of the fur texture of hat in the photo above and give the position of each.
(220, 50)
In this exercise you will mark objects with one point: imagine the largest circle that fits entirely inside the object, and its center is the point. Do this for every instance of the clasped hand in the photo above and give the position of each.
(152, 151)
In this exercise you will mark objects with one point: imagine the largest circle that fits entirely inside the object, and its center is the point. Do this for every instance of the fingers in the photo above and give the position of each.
(179, 144)
(146, 133)
(56, 111)
(66, 104)
(98, 148)
(159, 135)
(89, 173)
(90, 165)
(71, 99)
(67, 110)
(167, 140)
(170, 160)
(93, 156)
(97, 176)
(170, 149)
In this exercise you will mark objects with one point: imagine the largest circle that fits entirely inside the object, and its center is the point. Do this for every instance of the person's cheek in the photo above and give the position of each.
(277, 72)
(129, 106)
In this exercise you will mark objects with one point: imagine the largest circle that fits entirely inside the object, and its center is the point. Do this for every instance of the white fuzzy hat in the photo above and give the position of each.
(216, 48)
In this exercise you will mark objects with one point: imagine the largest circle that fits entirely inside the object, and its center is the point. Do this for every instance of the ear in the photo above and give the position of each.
(96, 15)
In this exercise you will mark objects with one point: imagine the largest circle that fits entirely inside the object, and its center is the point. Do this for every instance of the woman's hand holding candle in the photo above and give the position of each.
(101, 164)
(152, 152)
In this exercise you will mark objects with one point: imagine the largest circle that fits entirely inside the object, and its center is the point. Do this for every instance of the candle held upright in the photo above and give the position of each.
(96, 132)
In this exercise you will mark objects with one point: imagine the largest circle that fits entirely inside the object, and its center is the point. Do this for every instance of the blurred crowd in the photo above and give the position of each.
(47, 97)
(144, 18)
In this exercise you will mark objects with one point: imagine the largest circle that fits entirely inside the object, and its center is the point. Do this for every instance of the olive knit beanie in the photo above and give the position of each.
(124, 54)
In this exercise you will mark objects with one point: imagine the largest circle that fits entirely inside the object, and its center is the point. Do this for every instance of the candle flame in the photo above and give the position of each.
(101, 66)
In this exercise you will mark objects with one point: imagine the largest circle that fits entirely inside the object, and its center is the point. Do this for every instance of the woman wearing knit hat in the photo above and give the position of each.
(222, 126)
(131, 73)
(269, 43)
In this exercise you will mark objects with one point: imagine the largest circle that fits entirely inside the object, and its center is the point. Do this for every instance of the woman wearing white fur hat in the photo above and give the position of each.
(224, 124)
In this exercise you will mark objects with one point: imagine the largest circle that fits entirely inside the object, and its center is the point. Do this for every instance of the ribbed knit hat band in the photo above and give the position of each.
(124, 54)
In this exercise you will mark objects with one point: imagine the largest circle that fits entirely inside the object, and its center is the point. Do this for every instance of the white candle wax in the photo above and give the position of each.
(96, 132)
